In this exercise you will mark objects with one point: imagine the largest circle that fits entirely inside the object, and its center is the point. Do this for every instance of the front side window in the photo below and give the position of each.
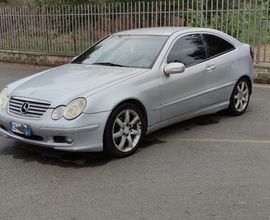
(127, 51)
(188, 50)
(217, 45)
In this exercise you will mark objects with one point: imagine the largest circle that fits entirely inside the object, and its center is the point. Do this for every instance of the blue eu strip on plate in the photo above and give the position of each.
(20, 128)
(28, 130)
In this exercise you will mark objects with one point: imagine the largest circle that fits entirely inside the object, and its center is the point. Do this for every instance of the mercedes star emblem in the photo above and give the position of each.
(25, 107)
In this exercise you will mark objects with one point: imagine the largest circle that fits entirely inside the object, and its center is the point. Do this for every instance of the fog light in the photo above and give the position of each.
(69, 140)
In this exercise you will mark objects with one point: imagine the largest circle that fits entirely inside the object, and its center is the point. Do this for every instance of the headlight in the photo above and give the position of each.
(74, 108)
(71, 111)
(58, 112)
(4, 98)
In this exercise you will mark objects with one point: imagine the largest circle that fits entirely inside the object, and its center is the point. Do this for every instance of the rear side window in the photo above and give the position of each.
(217, 45)
(188, 50)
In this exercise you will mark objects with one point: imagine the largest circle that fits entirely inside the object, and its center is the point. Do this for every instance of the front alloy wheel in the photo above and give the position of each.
(124, 130)
(240, 97)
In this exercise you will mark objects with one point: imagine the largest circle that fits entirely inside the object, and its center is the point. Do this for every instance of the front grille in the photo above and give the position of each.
(36, 108)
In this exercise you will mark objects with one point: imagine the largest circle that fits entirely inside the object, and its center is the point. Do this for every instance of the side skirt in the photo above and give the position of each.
(203, 111)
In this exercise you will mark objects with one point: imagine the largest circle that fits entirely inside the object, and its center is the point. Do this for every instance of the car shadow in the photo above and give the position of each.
(48, 156)
(184, 126)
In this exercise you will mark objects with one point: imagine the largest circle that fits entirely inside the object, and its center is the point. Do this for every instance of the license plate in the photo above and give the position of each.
(20, 128)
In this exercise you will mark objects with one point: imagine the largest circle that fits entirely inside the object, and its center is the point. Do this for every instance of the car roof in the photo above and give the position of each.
(167, 31)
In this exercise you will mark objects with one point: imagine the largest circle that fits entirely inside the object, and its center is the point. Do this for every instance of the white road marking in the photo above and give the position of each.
(215, 140)
(261, 86)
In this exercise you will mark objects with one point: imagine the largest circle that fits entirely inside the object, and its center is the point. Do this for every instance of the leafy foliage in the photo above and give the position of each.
(220, 21)
(39, 3)
(264, 6)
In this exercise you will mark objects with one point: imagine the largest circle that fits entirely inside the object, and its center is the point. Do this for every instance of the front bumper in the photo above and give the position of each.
(84, 133)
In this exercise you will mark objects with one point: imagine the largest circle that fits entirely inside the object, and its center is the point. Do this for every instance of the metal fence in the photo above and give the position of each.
(72, 29)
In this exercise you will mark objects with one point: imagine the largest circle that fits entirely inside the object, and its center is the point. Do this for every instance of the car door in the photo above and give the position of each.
(195, 88)
(226, 64)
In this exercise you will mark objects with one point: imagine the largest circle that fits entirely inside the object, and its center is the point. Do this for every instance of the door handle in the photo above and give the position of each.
(211, 67)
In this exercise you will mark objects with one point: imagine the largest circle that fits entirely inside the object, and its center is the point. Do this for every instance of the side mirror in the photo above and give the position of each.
(173, 68)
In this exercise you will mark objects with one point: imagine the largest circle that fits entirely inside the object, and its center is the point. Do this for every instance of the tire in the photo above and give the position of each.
(240, 97)
(124, 130)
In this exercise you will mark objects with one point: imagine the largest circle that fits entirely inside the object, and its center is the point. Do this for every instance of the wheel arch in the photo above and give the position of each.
(107, 146)
(233, 106)
(249, 81)
(136, 102)
(139, 105)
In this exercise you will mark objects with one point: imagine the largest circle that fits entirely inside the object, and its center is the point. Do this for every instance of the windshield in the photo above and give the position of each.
(127, 51)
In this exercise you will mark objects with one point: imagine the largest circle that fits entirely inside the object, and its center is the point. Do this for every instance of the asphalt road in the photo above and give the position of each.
(211, 167)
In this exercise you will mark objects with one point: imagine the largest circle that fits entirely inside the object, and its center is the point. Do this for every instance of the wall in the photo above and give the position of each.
(262, 74)
(42, 59)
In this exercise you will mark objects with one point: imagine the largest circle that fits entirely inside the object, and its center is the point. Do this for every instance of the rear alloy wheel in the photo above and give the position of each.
(240, 97)
(124, 131)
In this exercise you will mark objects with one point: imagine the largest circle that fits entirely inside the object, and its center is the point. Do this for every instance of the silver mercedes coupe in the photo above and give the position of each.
(127, 85)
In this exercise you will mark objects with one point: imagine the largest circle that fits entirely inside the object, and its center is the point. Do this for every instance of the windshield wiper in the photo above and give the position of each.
(108, 64)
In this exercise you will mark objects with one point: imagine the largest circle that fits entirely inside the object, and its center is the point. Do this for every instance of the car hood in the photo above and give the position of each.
(62, 84)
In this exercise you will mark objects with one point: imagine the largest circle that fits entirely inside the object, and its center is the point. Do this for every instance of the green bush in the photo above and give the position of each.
(47, 3)
(234, 26)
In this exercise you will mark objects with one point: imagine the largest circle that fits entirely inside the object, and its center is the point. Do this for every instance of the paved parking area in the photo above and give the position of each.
(210, 167)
